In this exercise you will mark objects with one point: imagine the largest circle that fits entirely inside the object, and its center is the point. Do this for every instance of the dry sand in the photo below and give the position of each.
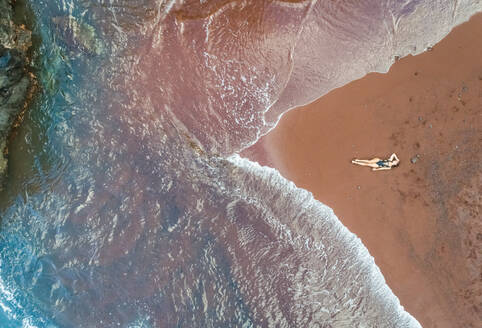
(422, 220)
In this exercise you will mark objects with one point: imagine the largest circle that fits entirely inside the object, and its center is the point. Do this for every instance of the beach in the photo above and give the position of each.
(421, 220)
(126, 202)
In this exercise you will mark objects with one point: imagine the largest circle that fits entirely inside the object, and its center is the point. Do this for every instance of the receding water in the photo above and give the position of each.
(126, 204)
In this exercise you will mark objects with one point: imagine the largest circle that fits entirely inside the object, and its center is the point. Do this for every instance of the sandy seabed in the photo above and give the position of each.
(421, 221)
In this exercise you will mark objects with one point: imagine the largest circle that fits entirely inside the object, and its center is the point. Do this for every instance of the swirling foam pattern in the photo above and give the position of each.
(129, 206)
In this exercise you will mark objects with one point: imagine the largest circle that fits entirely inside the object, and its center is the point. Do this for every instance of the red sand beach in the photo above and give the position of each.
(420, 221)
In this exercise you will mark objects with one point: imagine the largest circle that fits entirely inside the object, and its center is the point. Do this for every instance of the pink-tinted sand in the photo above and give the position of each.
(421, 221)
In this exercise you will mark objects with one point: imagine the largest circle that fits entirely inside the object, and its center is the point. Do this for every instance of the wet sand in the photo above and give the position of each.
(422, 220)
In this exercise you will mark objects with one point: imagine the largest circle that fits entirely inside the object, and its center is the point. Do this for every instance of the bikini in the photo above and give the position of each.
(383, 163)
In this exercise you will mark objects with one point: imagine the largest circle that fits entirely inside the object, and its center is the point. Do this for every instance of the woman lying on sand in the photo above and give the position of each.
(379, 164)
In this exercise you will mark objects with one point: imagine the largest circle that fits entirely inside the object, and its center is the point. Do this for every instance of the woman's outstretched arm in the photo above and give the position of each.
(393, 156)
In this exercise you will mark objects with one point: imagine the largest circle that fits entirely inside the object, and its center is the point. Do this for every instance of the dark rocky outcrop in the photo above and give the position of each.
(16, 81)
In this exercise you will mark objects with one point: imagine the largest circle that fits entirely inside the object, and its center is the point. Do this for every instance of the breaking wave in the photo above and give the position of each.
(130, 206)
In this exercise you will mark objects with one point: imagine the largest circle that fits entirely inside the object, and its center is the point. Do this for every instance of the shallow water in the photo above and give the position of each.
(126, 206)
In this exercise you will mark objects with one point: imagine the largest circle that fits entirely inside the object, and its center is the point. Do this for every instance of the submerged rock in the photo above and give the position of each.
(16, 81)
(78, 36)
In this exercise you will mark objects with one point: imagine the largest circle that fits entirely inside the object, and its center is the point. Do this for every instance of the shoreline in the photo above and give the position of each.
(418, 220)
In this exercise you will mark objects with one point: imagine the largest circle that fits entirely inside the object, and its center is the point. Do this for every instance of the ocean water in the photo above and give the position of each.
(127, 205)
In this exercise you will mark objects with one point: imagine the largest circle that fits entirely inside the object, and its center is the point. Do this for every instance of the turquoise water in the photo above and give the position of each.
(126, 204)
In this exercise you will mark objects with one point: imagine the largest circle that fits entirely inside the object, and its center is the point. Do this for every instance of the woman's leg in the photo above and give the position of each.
(365, 163)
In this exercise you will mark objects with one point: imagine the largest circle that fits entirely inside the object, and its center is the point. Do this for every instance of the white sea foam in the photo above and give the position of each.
(343, 42)
(312, 227)
(145, 220)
